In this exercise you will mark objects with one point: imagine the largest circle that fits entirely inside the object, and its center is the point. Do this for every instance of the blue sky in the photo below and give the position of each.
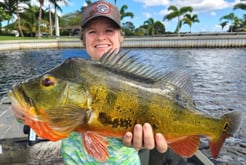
(209, 12)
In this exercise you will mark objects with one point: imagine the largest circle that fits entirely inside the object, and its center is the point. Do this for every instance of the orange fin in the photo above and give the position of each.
(96, 146)
(187, 146)
(216, 146)
(232, 121)
(43, 130)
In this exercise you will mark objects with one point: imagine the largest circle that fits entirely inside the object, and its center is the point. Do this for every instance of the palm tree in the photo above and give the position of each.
(190, 19)
(150, 26)
(154, 27)
(29, 19)
(18, 15)
(124, 14)
(41, 2)
(159, 27)
(9, 7)
(223, 24)
(240, 5)
(230, 19)
(13, 7)
(175, 12)
(57, 7)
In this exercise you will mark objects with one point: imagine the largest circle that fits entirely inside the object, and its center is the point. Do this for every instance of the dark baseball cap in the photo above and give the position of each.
(101, 9)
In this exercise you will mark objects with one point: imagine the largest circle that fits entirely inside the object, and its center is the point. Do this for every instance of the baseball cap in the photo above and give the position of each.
(101, 9)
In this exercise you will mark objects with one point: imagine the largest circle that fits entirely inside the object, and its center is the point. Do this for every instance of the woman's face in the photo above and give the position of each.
(101, 35)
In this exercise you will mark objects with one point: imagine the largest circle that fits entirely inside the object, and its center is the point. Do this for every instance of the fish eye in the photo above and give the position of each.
(48, 80)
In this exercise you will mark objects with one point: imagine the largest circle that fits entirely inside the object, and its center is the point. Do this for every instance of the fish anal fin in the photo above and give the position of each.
(96, 146)
(215, 146)
(187, 146)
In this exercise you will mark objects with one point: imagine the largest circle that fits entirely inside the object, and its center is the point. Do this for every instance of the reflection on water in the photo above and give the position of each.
(219, 75)
(17, 66)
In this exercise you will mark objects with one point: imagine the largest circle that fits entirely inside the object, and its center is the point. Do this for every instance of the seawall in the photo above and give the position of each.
(190, 41)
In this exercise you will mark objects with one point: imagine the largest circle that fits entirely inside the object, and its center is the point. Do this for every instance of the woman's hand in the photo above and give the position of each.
(142, 137)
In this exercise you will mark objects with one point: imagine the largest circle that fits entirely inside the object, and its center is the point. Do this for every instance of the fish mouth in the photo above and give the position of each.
(20, 102)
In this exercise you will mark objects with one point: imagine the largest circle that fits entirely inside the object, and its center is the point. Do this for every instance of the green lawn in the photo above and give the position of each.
(5, 38)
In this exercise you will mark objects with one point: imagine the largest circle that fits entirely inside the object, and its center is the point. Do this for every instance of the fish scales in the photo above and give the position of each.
(109, 98)
(127, 93)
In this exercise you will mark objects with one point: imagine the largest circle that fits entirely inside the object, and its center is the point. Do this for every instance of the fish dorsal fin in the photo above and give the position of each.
(181, 79)
(123, 61)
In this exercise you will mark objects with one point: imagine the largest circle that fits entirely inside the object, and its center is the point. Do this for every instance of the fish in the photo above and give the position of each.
(106, 98)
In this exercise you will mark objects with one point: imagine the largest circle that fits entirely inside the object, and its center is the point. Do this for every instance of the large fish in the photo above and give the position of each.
(106, 98)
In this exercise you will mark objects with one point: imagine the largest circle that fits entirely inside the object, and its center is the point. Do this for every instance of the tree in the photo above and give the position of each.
(241, 6)
(18, 15)
(57, 7)
(41, 3)
(175, 12)
(150, 26)
(154, 27)
(13, 8)
(159, 27)
(231, 20)
(190, 19)
(124, 14)
(3, 16)
(128, 28)
(9, 8)
(29, 20)
(223, 24)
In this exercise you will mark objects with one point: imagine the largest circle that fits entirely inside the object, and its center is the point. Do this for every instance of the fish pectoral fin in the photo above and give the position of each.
(96, 146)
(187, 146)
(66, 118)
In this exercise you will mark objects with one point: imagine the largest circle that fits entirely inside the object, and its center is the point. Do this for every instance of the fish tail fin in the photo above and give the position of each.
(232, 122)
(65, 119)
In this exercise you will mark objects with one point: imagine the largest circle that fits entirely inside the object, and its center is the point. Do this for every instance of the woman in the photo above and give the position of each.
(101, 31)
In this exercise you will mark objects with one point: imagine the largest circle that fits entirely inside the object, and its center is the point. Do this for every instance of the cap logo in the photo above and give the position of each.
(102, 8)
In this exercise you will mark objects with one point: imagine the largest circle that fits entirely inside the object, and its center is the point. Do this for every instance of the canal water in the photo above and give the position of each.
(218, 75)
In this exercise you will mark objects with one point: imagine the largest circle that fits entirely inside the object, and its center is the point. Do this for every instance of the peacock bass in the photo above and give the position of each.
(108, 97)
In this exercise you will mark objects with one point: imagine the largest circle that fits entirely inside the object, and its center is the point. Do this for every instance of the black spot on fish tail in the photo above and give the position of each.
(232, 122)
